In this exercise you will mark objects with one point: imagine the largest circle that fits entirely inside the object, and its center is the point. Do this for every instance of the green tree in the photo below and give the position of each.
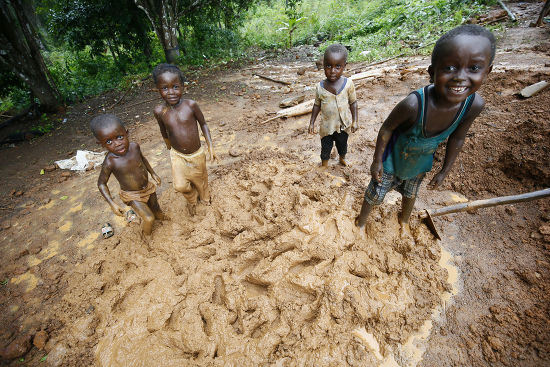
(117, 26)
(166, 17)
(20, 53)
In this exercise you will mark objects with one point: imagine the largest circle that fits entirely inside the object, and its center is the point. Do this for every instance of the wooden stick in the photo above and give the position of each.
(141, 102)
(272, 80)
(510, 14)
(376, 63)
(120, 99)
(477, 204)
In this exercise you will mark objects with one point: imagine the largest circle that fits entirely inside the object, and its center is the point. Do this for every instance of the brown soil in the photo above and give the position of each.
(274, 272)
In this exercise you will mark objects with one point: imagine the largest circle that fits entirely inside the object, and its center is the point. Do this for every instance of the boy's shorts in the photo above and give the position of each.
(375, 192)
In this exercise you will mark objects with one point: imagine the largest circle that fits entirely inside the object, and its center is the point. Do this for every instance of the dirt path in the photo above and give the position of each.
(274, 272)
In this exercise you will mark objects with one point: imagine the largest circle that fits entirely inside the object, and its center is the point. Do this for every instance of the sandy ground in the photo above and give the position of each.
(273, 272)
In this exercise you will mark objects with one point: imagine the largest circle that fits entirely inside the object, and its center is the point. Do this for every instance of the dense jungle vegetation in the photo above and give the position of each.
(57, 52)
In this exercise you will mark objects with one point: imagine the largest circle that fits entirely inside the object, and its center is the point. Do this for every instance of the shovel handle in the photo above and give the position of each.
(476, 204)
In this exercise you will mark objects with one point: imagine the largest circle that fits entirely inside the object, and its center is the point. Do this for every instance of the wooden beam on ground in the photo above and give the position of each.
(271, 79)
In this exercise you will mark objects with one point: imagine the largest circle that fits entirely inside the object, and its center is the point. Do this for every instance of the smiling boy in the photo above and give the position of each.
(177, 119)
(131, 169)
(408, 139)
(335, 99)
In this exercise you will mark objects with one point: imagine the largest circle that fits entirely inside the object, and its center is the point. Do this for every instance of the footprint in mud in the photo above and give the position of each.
(291, 286)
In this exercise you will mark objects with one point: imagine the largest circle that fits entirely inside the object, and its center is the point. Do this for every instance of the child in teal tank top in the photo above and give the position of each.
(408, 139)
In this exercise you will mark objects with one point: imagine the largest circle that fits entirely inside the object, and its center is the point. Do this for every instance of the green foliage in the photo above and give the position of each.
(294, 17)
(381, 28)
(45, 125)
(209, 44)
(79, 74)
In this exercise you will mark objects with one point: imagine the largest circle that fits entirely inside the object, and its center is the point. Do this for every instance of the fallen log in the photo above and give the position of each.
(271, 79)
(534, 89)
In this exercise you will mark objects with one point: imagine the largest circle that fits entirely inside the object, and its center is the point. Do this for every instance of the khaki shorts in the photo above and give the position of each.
(189, 175)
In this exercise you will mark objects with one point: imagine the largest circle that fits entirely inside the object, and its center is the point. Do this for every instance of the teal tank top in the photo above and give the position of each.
(411, 153)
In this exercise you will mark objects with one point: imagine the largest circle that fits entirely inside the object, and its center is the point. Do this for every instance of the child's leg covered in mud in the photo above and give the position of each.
(409, 190)
(374, 195)
(153, 204)
(146, 214)
(190, 177)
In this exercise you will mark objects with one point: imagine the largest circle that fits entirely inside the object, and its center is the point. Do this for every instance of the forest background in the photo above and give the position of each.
(58, 52)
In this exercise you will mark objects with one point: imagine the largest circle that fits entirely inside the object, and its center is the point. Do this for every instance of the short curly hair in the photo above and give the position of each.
(466, 29)
(167, 68)
(336, 48)
(102, 121)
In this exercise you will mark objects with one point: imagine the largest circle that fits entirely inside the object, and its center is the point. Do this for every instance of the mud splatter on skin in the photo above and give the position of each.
(273, 272)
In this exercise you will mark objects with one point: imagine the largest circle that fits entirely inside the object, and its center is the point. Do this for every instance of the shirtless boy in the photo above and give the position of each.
(177, 119)
(131, 169)
(408, 139)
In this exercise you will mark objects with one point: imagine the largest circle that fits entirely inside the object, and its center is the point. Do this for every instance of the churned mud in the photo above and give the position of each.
(273, 272)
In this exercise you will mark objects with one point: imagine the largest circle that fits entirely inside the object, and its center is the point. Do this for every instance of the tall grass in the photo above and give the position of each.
(373, 29)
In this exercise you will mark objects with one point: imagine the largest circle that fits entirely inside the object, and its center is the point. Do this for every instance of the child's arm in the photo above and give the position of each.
(149, 168)
(204, 128)
(402, 116)
(354, 121)
(456, 141)
(159, 112)
(315, 111)
(352, 98)
(314, 114)
(104, 189)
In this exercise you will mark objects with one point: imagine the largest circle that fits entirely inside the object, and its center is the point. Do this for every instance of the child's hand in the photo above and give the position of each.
(436, 181)
(376, 170)
(213, 156)
(354, 127)
(311, 128)
(156, 178)
(117, 209)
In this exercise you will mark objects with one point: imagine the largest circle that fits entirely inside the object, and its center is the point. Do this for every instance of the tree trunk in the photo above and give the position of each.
(20, 52)
(164, 16)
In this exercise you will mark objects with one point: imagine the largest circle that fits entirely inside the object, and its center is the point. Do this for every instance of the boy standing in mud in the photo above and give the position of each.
(131, 169)
(177, 119)
(408, 139)
(335, 99)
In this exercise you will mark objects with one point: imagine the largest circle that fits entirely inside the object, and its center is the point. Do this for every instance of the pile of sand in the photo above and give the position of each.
(273, 272)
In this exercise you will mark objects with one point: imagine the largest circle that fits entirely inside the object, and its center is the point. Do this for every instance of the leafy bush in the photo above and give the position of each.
(381, 28)
(207, 43)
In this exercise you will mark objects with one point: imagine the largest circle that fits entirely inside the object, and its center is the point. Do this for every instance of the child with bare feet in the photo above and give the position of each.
(408, 139)
(177, 119)
(131, 169)
(335, 99)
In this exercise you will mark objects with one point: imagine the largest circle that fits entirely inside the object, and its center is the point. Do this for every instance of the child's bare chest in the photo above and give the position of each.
(180, 118)
(131, 163)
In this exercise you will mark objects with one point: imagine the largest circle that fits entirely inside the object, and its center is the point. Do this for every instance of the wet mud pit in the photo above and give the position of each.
(274, 273)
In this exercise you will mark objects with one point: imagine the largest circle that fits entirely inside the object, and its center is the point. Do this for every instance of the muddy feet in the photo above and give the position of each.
(361, 227)
(192, 209)
(407, 239)
(342, 161)
(161, 216)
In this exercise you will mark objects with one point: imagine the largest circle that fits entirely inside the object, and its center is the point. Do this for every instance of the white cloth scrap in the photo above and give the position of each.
(83, 160)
